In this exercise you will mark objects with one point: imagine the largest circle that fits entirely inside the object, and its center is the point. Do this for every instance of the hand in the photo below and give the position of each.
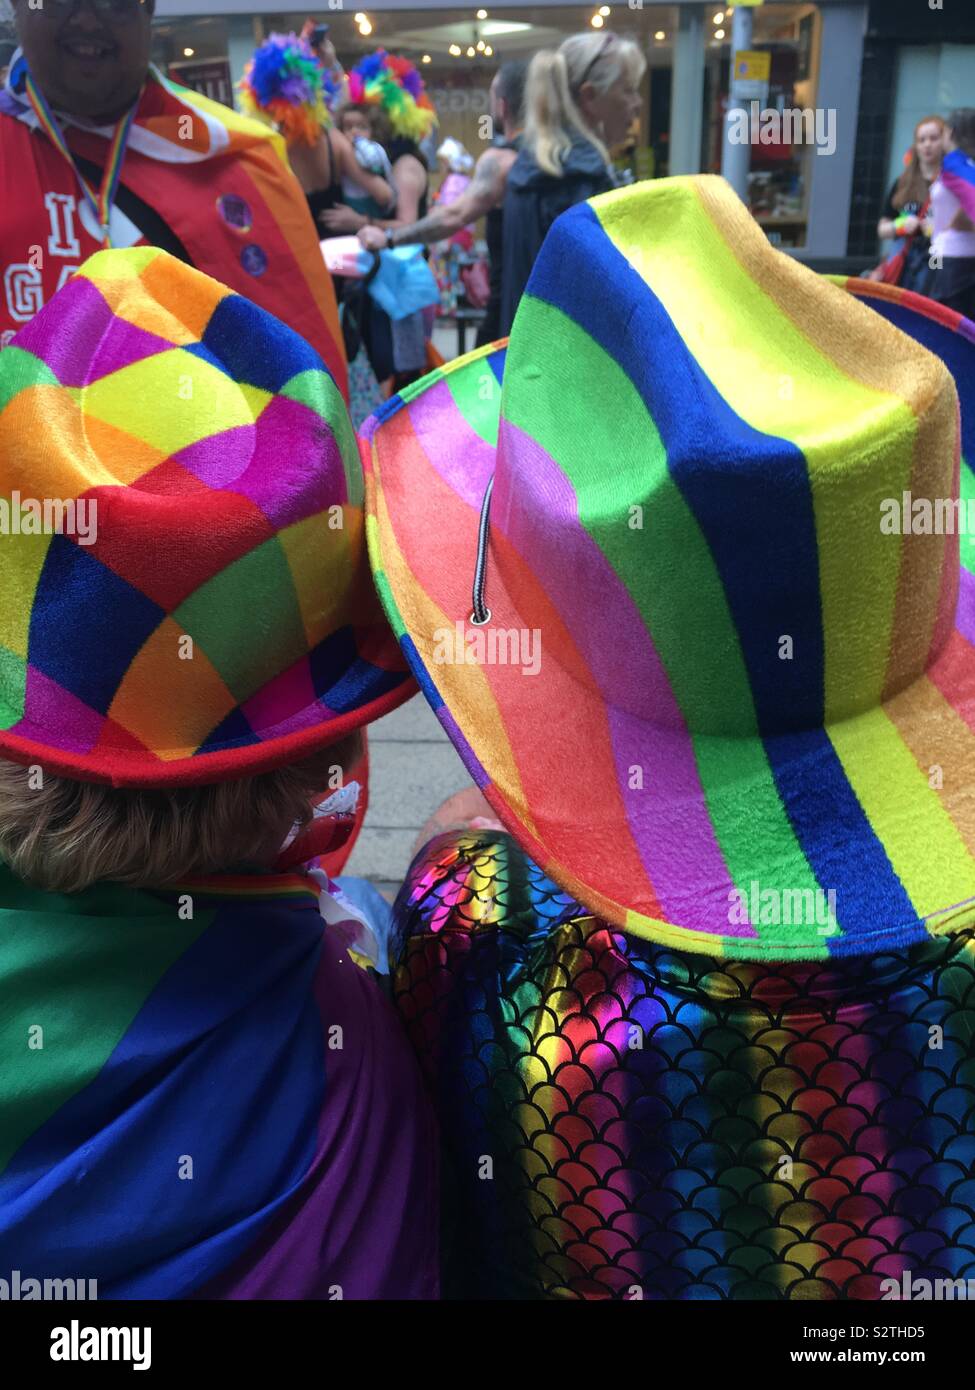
(373, 238)
(342, 220)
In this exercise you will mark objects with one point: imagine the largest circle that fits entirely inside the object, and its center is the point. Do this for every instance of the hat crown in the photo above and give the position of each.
(195, 595)
(700, 450)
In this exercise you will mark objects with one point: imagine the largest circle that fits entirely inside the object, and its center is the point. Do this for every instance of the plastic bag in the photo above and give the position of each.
(404, 282)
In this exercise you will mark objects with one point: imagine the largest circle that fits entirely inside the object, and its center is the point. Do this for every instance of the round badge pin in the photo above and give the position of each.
(253, 259)
(236, 212)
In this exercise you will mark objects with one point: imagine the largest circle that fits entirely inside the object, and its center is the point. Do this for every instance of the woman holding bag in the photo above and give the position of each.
(907, 207)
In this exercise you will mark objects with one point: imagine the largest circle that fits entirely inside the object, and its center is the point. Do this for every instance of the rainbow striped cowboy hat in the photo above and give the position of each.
(720, 698)
(184, 588)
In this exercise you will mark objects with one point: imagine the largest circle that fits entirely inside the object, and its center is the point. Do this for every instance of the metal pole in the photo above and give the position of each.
(687, 91)
(736, 159)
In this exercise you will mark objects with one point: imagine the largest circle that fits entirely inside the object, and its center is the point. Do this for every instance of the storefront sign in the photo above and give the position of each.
(211, 78)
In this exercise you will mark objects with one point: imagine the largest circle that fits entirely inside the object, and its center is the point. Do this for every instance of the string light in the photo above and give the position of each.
(660, 36)
(365, 25)
(597, 21)
(718, 18)
(605, 11)
(719, 33)
(471, 51)
(454, 50)
(426, 58)
(489, 52)
(482, 14)
(188, 52)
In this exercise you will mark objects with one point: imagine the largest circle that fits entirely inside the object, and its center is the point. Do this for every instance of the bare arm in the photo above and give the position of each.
(410, 179)
(485, 191)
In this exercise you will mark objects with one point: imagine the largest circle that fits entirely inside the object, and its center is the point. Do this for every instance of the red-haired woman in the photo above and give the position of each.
(908, 203)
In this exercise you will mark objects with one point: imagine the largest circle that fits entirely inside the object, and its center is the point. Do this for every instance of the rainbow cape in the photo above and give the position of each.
(179, 1117)
(665, 1125)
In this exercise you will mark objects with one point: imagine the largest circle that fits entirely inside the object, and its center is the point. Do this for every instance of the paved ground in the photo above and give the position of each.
(413, 768)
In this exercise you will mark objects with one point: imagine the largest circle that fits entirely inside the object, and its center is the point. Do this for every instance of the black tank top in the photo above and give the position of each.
(325, 198)
(397, 147)
(494, 236)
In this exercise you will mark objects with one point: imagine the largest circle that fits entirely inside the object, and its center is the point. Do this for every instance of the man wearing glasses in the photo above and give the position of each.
(98, 148)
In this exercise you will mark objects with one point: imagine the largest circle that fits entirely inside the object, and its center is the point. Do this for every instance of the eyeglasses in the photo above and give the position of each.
(104, 9)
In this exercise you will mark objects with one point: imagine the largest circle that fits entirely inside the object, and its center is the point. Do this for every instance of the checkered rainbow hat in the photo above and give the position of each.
(184, 589)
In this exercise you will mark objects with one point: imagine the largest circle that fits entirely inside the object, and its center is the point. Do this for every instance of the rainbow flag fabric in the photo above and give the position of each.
(203, 1096)
(726, 697)
(207, 184)
(958, 176)
(665, 1124)
(185, 593)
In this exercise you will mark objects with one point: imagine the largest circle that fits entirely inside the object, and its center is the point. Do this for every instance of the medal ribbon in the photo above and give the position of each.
(100, 203)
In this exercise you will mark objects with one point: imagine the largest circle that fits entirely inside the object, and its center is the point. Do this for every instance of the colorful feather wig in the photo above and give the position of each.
(283, 85)
(393, 83)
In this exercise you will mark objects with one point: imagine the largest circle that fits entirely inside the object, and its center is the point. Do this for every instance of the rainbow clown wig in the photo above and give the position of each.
(283, 85)
(394, 84)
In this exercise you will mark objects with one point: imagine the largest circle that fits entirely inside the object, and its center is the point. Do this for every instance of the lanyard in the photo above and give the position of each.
(100, 204)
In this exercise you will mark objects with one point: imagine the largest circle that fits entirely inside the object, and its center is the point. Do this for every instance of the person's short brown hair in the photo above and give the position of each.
(63, 835)
(962, 125)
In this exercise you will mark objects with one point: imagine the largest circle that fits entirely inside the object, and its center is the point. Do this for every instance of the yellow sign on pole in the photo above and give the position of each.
(751, 65)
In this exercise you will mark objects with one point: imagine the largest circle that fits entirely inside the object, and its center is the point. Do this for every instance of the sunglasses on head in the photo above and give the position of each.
(607, 40)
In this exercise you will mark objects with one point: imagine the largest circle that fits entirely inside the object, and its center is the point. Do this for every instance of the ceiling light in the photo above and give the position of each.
(489, 52)
(660, 36)
(597, 21)
(471, 51)
(604, 10)
(482, 14)
(718, 17)
(365, 27)
(426, 58)
(359, 16)
(719, 33)
(188, 52)
(454, 50)
(480, 45)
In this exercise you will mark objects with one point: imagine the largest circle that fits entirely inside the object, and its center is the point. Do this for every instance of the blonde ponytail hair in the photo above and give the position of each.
(555, 76)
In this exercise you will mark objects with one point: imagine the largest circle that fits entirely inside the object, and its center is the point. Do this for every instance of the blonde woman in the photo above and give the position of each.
(581, 100)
